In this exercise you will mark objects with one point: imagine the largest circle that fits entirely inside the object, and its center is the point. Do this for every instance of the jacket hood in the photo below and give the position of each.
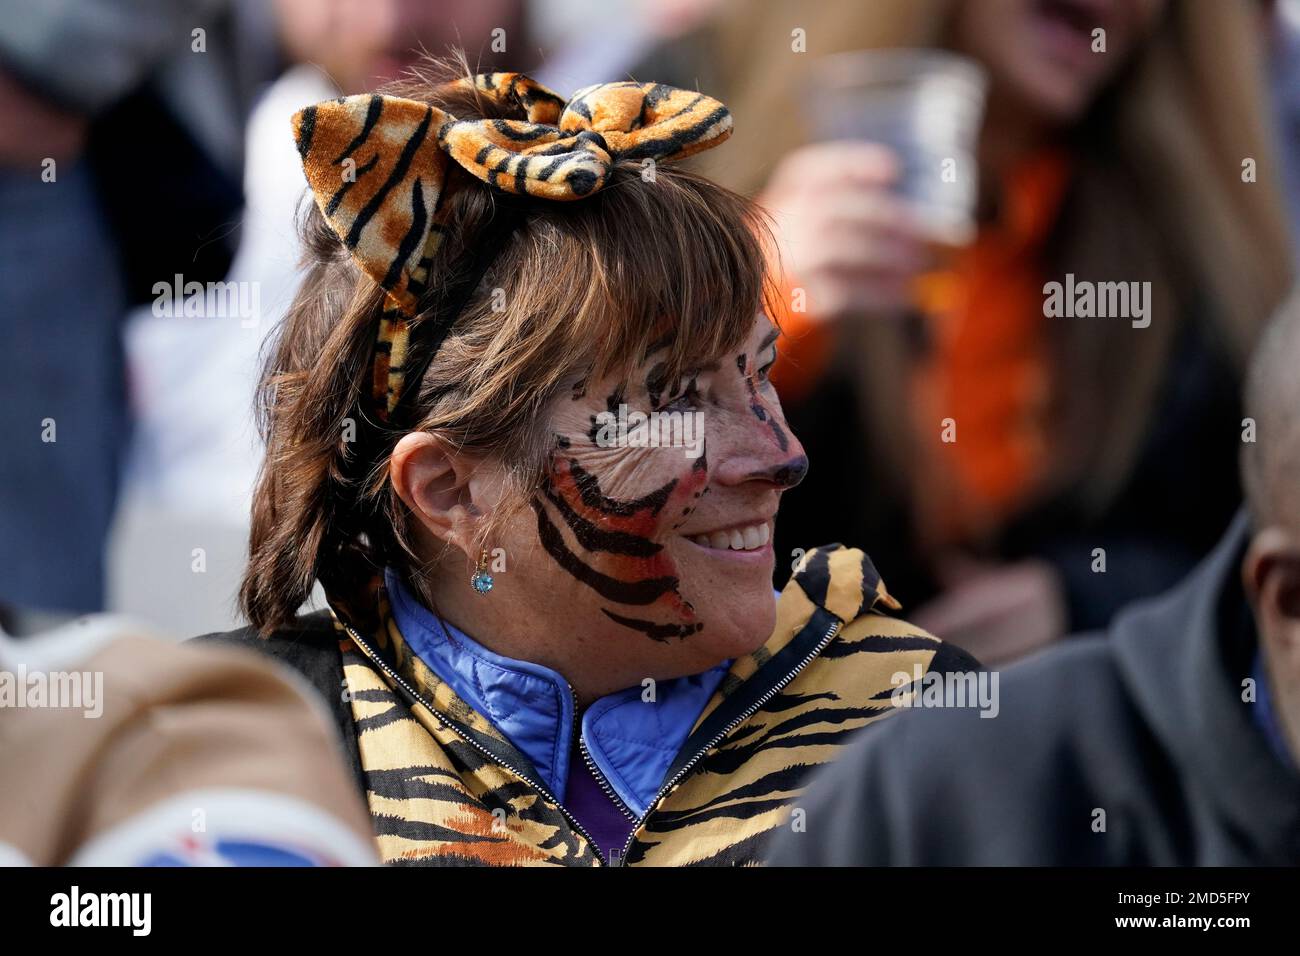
(1184, 657)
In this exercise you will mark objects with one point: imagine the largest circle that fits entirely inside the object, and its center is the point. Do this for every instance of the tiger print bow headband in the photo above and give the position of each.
(377, 165)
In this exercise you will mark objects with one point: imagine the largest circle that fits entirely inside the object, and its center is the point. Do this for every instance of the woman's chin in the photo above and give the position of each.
(735, 624)
(744, 641)
(731, 590)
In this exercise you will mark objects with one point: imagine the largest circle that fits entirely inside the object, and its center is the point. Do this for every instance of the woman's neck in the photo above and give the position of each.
(500, 624)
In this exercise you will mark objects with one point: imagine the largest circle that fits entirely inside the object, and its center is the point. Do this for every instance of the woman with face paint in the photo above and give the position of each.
(520, 428)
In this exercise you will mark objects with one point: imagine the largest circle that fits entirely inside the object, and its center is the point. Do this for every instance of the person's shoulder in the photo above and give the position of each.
(1023, 712)
(308, 645)
(901, 656)
(962, 772)
(309, 648)
(1060, 719)
(844, 581)
(305, 628)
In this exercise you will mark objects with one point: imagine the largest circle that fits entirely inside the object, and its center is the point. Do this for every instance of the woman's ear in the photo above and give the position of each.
(433, 481)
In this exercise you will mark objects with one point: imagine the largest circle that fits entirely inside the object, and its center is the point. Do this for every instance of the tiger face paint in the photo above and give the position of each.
(664, 544)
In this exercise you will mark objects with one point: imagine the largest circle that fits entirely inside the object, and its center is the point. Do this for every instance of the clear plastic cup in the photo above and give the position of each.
(925, 105)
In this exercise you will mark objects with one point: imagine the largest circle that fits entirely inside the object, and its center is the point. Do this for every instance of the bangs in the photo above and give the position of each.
(674, 263)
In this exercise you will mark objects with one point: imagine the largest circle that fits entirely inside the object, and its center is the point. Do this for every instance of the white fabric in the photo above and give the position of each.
(189, 829)
(196, 449)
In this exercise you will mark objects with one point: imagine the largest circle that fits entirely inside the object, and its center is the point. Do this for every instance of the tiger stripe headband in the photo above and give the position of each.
(377, 166)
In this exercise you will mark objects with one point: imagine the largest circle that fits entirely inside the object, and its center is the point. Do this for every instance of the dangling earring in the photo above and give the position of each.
(481, 581)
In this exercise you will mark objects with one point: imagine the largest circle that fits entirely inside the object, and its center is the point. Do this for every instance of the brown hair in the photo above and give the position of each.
(587, 287)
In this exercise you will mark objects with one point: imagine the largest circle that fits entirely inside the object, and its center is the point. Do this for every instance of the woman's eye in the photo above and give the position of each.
(685, 397)
(765, 371)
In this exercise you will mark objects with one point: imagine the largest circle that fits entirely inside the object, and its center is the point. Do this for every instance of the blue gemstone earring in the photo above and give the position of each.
(481, 581)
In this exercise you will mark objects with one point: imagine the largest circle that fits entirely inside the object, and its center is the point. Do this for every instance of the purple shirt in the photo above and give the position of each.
(595, 810)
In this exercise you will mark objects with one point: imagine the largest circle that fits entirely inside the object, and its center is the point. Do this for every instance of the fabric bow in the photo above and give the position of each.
(377, 166)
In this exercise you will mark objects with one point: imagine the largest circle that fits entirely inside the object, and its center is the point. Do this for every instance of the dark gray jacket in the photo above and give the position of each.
(1146, 723)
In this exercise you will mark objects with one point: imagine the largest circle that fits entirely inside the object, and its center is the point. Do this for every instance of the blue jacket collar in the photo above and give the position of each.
(631, 740)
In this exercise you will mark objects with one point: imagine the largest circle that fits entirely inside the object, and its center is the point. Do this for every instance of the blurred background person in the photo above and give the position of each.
(118, 748)
(120, 154)
(1173, 739)
(1072, 434)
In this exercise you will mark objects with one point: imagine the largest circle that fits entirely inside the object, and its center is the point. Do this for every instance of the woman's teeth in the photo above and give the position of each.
(738, 539)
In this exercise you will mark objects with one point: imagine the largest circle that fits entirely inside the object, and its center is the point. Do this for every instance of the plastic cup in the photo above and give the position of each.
(926, 106)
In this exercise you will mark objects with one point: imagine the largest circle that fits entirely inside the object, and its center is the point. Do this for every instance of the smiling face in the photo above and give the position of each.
(647, 545)
(609, 437)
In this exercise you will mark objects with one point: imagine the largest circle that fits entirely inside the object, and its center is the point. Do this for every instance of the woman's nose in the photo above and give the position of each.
(755, 444)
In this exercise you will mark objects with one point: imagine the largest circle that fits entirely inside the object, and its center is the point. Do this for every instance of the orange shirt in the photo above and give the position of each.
(988, 366)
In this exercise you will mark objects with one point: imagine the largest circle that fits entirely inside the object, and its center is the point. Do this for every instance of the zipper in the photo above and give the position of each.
(545, 791)
(591, 765)
(721, 735)
(599, 777)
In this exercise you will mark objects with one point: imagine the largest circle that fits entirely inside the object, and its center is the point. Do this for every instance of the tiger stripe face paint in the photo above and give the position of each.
(615, 550)
(664, 546)
(757, 407)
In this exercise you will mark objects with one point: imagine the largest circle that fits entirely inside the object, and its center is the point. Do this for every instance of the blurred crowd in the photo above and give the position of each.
(155, 157)
(1015, 478)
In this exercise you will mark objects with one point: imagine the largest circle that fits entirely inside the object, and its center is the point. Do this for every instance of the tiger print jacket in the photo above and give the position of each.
(446, 788)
